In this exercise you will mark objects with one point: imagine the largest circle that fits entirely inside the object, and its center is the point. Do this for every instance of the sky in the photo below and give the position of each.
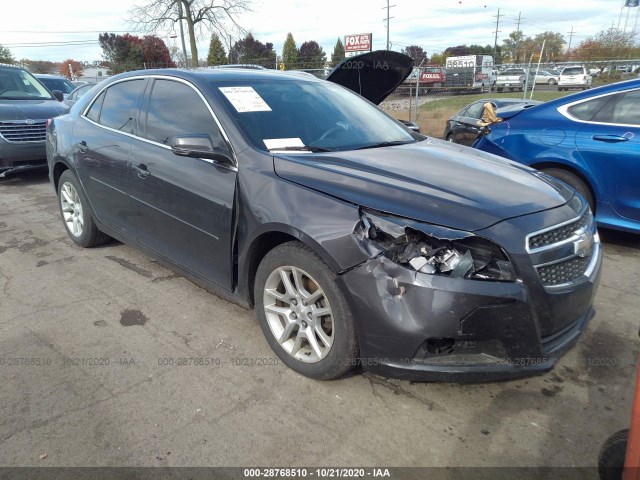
(39, 31)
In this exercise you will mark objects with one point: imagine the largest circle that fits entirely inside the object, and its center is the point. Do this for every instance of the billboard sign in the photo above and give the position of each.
(357, 44)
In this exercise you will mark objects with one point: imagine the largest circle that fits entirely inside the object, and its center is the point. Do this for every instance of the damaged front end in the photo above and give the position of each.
(432, 249)
(433, 301)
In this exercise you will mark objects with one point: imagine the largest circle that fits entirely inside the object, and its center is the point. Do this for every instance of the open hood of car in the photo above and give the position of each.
(373, 75)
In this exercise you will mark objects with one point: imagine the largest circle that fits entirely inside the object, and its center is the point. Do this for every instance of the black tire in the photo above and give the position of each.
(611, 458)
(450, 138)
(499, 89)
(574, 181)
(343, 353)
(89, 236)
(551, 81)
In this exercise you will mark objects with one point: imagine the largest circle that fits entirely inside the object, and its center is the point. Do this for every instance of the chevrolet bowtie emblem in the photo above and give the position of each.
(584, 244)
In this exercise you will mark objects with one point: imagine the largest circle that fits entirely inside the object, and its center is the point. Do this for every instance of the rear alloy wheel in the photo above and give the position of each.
(551, 81)
(75, 212)
(302, 313)
(575, 182)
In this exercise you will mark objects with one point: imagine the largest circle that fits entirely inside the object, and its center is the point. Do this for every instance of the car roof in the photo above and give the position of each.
(220, 74)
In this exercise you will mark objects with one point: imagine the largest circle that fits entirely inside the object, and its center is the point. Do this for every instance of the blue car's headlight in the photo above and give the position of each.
(432, 249)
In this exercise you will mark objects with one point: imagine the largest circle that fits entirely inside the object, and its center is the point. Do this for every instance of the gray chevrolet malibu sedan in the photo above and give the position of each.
(357, 240)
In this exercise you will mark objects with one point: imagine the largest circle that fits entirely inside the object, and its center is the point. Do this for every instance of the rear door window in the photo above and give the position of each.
(120, 105)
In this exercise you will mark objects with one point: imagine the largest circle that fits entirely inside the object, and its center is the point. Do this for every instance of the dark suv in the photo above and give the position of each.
(25, 107)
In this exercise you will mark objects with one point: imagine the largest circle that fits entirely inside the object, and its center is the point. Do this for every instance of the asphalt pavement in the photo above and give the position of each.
(107, 358)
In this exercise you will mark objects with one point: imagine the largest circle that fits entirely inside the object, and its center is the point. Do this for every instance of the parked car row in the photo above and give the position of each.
(356, 239)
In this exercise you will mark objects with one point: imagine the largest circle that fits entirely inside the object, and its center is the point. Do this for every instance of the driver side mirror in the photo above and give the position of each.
(58, 94)
(198, 146)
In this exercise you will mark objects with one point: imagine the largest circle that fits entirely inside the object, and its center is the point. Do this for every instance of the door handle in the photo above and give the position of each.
(142, 170)
(610, 138)
(82, 146)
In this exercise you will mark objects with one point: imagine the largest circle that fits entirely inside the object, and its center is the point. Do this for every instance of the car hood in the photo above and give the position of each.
(373, 75)
(430, 181)
(31, 109)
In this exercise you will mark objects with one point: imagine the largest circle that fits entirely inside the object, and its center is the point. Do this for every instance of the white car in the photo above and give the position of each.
(574, 77)
(546, 78)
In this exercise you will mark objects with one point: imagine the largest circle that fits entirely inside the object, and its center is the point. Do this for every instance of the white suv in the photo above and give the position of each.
(574, 77)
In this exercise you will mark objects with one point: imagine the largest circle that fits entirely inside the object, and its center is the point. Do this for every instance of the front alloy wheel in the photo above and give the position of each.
(299, 314)
(303, 314)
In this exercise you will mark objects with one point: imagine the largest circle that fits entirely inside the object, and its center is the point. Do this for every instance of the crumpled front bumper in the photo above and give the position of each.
(20, 157)
(418, 326)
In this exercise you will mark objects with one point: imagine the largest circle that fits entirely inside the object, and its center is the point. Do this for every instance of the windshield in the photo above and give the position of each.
(308, 115)
(573, 71)
(17, 84)
(62, 84)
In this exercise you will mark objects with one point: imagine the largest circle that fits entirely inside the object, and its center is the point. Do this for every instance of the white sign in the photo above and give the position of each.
(282, 143)
(467, 61)
(245, 99)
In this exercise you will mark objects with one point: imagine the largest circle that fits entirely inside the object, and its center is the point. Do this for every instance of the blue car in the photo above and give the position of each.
(590, 140)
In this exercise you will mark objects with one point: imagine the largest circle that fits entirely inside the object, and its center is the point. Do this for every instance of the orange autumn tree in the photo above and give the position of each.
(69, 66)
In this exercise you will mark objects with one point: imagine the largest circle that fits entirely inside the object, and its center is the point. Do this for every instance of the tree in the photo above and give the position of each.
(514, 46)
(130, 52)
(312, 55)
(71, 69)
(553, 44)
(607, 45)
(338, 53)
(5, 55)
(438, 59)
(39, 66)
(417, 53)
(213, 15)
(217, 54)
(250, 50)
(290, 53)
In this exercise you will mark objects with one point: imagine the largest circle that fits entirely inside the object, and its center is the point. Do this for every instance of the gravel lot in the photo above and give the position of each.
(109, 325)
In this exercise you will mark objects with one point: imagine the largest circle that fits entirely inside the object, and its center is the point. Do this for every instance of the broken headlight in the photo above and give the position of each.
(433, 249)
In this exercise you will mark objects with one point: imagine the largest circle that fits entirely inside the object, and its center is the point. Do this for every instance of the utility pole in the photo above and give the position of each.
(571, 33)
(184, 47)
(388, 7)
(495, 42)
(518, 21)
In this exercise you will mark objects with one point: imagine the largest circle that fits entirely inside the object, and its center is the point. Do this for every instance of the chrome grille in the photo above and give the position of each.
(23, 131)
(566, 253)
(560, 234)
(567, 271)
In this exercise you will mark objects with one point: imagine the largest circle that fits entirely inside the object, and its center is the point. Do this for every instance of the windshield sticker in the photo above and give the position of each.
(245, 99)
(282, 143)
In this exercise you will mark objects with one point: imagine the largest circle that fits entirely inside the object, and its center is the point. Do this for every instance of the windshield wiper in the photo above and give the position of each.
(300, 148)
(385, 144)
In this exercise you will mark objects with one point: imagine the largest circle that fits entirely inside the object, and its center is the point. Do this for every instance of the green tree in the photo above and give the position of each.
(290, 56)
(5, 55)
(553, 44)
(438, 59)
(312, 55)
(338, 53)
(217, 54)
